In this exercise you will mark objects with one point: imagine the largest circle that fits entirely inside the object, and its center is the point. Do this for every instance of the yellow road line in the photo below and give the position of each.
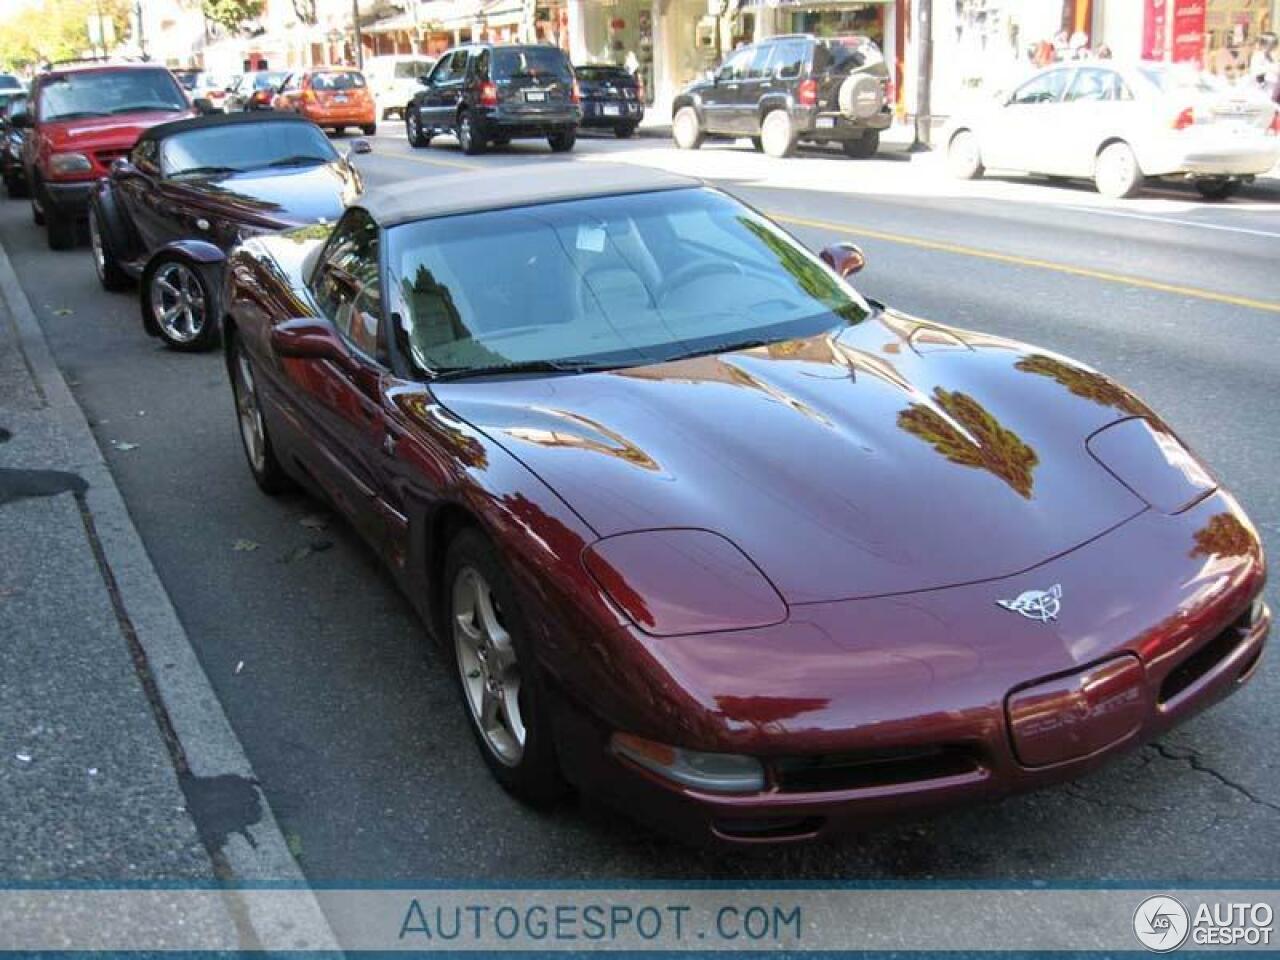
(1107, 276)
(433, 161)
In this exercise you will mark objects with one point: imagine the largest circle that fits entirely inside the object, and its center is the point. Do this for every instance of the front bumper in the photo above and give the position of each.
(68, 198)
(889, 707)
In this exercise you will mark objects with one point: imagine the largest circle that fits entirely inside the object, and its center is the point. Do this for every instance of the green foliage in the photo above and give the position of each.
(232, 13)
(51, 30)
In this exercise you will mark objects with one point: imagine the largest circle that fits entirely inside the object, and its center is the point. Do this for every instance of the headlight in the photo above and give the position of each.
(63, 163)
(1151, 462)
(713, 772)
(673, 582)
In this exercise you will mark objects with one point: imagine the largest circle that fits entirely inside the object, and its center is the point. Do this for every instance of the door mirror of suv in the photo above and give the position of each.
(307, 338)
(425, 80)
(845, 258)
(204, 106)
(20, 121)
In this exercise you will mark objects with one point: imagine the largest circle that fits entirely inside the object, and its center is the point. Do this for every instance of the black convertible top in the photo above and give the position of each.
(497, 188)
(165, 130)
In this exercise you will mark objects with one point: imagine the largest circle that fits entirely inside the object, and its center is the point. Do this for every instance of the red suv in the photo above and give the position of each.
(82, 119)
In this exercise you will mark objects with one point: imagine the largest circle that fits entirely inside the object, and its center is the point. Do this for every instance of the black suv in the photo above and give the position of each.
(488, 93)
(790, 88)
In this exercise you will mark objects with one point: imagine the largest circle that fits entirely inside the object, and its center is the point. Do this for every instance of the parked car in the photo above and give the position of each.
(332, 97)
(612, 97)
(212, 88)
(1120, 125)
(188, 78)
(82, 119)
(485, 94)
(394, 79)
(11, 139)
(254, 91)
(788, 89)
(600, 422)
(10, 85)
(191, 190)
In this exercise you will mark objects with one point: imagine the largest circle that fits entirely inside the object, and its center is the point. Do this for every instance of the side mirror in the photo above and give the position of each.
(361, 146)
(20, 121)
(425, 80)
(204, 106)
(121, 165)
(307, 338)
(845, 258)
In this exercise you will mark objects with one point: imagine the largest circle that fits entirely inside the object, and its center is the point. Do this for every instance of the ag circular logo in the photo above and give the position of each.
(1161, 923)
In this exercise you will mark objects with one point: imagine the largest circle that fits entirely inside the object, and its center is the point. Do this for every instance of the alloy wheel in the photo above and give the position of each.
(249, 413)
(95, 244)
(178, 301)
(488, 666)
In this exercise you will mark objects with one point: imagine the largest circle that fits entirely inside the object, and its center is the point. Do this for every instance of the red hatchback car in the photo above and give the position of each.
(330, 97)
(703, 529)
(83, 118)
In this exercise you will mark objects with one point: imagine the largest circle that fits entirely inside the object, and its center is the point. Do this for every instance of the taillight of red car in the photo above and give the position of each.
(1184, 119)
(488, 94)
(260, 96)
(807, 92)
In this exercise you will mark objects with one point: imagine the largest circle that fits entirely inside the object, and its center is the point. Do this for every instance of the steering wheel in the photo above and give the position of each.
(682, 275)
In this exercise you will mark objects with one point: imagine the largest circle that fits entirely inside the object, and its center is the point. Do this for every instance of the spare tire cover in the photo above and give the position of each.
(861, 96)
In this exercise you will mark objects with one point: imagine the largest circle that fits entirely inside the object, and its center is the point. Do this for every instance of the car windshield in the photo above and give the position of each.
(614, 281)
(338, 80)
(263, 81)
(1180, 78)
(9, 82)
(101, 93)
(533, 63)
(236, 147)
(412, 69)
(595, 74)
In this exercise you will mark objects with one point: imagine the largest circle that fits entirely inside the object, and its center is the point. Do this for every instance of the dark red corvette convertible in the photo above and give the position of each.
(706, 531)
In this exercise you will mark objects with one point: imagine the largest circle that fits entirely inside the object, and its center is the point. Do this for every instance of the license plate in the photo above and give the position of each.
(340, 99)
(825, 122)
(612, 110)
(535, 96)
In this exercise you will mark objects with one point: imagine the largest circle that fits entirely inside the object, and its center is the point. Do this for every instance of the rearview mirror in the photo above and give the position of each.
(361, 146)
(307, 338)
(845, 258)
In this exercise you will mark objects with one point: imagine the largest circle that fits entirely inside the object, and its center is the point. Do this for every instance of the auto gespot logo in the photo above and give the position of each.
(1161, 924)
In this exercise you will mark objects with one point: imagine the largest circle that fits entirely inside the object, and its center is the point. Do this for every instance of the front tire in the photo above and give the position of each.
(261, 455)
(110, 274)
(964, 157)
(497, 671)
(179, 304)
(468, 136)
(686, 130)
(863, 147)
(778, 134)
(1116, 172)
(369, 129)
(562, 142)
(1217, 188)
(418, 137)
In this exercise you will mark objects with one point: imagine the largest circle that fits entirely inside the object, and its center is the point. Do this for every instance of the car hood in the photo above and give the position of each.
(886, 458)
(286, 197)
(97, 133)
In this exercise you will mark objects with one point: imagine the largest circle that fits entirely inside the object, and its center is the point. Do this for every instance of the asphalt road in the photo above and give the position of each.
(351, 720)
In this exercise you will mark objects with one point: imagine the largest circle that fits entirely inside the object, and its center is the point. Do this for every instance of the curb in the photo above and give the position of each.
(195, 717)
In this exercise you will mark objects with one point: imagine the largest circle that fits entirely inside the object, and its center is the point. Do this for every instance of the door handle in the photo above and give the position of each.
(389, 444)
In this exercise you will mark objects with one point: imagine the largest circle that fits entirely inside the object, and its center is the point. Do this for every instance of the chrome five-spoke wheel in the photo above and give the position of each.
(488, 666)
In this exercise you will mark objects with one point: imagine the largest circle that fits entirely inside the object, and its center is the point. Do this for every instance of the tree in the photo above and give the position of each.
(232, 14)
(52, 30)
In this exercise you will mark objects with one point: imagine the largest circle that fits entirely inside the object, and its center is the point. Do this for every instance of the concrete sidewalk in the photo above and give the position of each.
(117, 765)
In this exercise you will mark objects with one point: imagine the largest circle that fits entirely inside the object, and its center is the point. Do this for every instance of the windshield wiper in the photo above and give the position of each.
(207, 171)
(526, 366)
(297, 161)
(730, 346)
(77, 115)
(146, 108)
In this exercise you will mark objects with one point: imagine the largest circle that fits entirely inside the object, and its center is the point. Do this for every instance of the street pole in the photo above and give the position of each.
(142, 37)
(924, 74)
(355, 24)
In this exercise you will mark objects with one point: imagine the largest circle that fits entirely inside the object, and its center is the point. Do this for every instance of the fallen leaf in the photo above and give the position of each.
(239, 667)
(23, 757)
(123, 446)
(244, 546)
(62, 312)
(315, 521)
(298, 553)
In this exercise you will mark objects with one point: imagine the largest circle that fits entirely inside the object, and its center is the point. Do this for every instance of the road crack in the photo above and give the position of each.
(1192, 759)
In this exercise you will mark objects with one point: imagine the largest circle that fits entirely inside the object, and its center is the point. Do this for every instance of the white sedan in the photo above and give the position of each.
(1119, 125)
